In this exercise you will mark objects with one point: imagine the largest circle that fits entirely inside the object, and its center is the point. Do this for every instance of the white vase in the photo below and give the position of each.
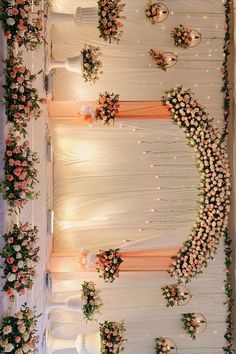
(87, 16)
(73, 64)
(71, 303)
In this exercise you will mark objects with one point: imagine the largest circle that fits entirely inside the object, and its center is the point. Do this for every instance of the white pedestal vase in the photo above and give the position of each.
(84, 343)
(73, 64)
(72, 303)
(87, 16)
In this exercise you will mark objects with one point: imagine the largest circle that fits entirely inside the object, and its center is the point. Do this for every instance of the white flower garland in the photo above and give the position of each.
(213, 166)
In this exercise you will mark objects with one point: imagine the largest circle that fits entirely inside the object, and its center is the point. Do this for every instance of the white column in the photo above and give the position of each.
(87, 16)
(72, 303)
(55, 343)
(73, 64)
(57, 17)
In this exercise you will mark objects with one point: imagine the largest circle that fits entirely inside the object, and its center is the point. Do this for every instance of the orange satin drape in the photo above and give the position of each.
(127, 110)
(149, 260)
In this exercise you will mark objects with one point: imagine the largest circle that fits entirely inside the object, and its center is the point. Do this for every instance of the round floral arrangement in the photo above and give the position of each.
(91, 63)
(108, 263)
(20, 174)
(21, 100)
(107, 108)
(182, 36)
(162, 345)
(91, 300)
(214, 198)
(18, 332)
(159, 58)
(20, 256)
(20, 28)
(191, 324)
(152, 11)
(111, 334)
(173, 295)
(109, 13)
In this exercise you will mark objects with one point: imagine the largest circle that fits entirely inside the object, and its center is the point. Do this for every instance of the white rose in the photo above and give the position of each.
(17, 248)
(22, 195)
(30, 263)
(21, 89)
(11, 277)
(11, 21)
(9, 348)
(20, 264)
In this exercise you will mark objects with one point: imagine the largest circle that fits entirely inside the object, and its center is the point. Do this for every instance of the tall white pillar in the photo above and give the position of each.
(87, 16)
(73, 64)
(71, 303)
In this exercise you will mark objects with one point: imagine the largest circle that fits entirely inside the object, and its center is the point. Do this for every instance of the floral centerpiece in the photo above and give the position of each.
(91, 63)
(108, 263)
(20, 28)
(162, 346)
(21, 100)
(173, 295)
(91, 300)
(20, 173)
(20, 256)
(190, 324)
(182, 36)
(111, 334)
(109, 13)
(214, 198)
(108, 107)
(18, 332)
(160, 59)
(152, 11)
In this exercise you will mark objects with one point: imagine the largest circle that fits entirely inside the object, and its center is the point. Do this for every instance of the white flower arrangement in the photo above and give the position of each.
(214, 197)
(173, 295)
(190, 324)
(92, 65)
(91, 301)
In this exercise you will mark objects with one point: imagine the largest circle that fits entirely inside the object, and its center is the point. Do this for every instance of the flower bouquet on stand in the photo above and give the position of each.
(164, 345)
(20, 256)
(108, 107)
(20, 174)
(18, 332)
(159, 58)
(173, 295)
(156, 12)
(109, 14)
(91, 63)
(20, 26)
(21, 100)
(182, 36)
(111, 334)
(91, 301)
(192, 323)
(108, 263)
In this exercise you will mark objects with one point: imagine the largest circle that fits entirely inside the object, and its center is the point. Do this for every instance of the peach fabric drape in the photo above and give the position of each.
(128, 109)
(149, 260)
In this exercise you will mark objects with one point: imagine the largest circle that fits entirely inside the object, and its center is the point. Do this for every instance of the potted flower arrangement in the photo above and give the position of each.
(191, 324)
(21, 100)
(109, 14)
(162, 346)
(108, 107)
(111, 334)
(108, 263)
(91, 63)
(160, 59)
(19, 26)
(20, 173)
(152, 11)
(173, 295)
(182, 36)
(18, 332)
(91, 301)
(20, 256)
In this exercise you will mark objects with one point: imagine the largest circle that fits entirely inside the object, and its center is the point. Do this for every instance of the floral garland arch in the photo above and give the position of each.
(214, 196)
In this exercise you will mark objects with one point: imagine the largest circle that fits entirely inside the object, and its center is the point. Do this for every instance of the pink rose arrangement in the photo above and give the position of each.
(92, 65)
(182, 36)
(20, 255)
(108, 263)
(111, 334)
(109, 13)
(214, 197)
(152, 11)
(20, 173)
(91, 300)
(18, 332)
(190, 324)
(159, 58)
(21, 99)
(19, 25)
(162, 346)
(173, 295)
(107, 108)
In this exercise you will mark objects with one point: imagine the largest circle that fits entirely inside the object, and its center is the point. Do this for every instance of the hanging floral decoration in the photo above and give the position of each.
(91, 63)
(20, 174)
(20, 255)
(18, 332)
(19, 25)
(214, 197)
(152, 11)
(159, 59)
(182, 36)
(112, 340)
(108, 263)
(91, 300)
(173, 295)
(191, 324)
(107, 108)
(21, 99)
(109, 13)
(162, 346)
